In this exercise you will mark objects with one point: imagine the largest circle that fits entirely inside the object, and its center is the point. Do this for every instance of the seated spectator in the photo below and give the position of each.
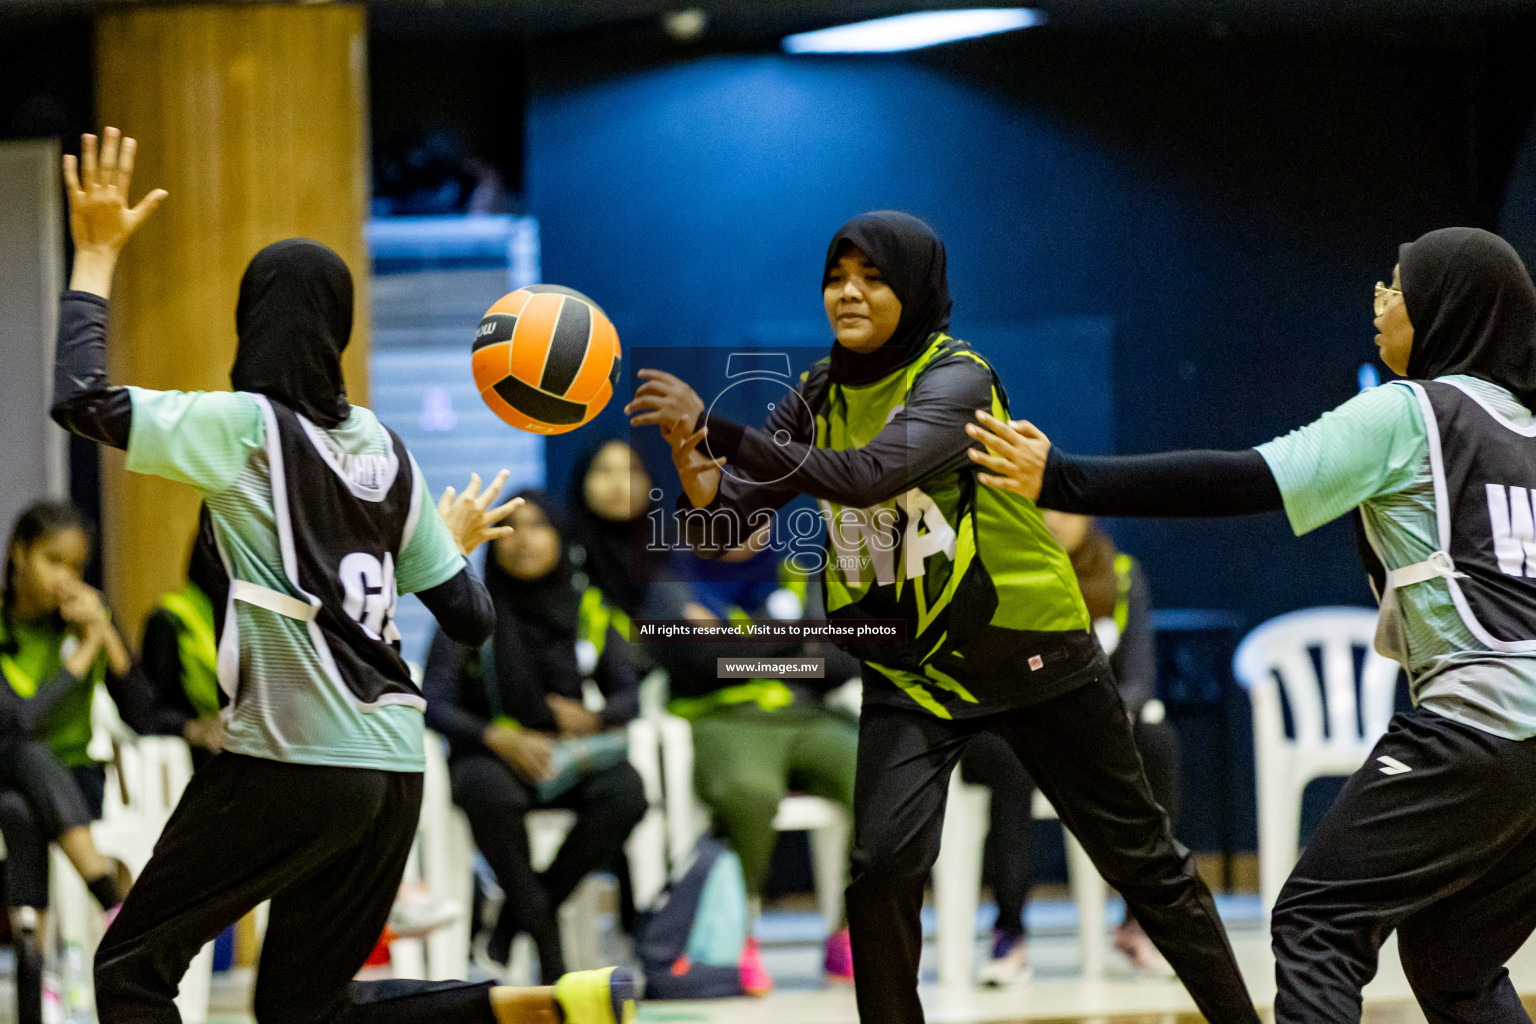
(1120, 605)
(521, 736)
(57, 643)
(757, 740)
(180, 650)
(611, 532)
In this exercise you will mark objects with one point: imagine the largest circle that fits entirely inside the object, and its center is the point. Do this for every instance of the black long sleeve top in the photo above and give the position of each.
(1170, 484)
(925, 437)
(459, 703)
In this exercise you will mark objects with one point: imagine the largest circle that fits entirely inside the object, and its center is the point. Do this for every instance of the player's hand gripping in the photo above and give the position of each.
(469, 516)
(100, 219)
(1015, 455)
(675, 407)
(668, 402)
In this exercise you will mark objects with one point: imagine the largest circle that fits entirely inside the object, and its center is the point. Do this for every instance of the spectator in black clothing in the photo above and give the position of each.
(1121, 608)
(521, 736)
(610, 533)
(180, 650)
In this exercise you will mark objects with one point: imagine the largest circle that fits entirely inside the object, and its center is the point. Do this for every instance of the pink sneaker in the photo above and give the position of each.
(839, 960)
(109, 915)
(1136, 946)
(754, 976)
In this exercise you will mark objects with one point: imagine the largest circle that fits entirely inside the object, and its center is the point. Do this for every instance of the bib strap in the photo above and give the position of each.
(1436, 566)
(272, 601)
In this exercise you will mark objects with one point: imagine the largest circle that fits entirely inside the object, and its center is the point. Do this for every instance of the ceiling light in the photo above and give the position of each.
(913, 31)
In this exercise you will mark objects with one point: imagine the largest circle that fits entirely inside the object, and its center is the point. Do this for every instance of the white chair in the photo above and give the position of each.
(443, 858)
(144, 784)
(957, 885)
(445, 850)
(687, 819)
(1334, 730)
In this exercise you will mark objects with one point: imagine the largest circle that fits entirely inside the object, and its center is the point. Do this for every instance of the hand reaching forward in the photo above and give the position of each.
(100, 218)
(668, 402)
(671, 404)
(469, 517)
(1015, 455)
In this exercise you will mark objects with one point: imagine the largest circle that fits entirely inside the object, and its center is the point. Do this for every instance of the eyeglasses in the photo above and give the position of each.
(1382, 293)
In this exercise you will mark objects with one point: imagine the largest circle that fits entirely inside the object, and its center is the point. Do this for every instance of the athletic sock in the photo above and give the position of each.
(105, 891)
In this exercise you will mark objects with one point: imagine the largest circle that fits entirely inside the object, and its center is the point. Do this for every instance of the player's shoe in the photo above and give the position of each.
(838, 961)
(755, 980)
(606, 996)
(417, 912)
(1135, 946)
(1009, 964)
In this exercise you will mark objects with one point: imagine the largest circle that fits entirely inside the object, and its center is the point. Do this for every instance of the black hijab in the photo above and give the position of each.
(533, 650)
(549, 602)
(616, 556)
(293, 321)
(911, 257)
(1473, 309)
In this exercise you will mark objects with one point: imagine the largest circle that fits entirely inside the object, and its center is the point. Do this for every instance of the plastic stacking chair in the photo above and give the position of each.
(444, 856)
(957, 885)
(144, 784)
(687, 819)
(1337, 714)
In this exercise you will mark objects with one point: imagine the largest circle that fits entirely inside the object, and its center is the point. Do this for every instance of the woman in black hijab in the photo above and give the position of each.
(293, 320)
(321, 519)
(1435, 837)
(610, 495)
(513, 713)
(974, 620)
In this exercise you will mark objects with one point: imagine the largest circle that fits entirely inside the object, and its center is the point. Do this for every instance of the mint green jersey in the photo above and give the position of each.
(1372, 452)
(287, 705)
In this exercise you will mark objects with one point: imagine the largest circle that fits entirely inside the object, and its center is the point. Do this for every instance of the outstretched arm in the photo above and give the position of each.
(101, 222)
(1021, 459)
(923, 438)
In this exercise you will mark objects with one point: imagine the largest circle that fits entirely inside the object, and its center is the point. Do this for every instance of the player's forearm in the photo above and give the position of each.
(92, 272)
(84, 400)
(1171, 484)
(462, 607)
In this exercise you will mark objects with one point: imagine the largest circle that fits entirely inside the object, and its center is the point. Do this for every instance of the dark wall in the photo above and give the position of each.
(1226, 202)
(444, 110)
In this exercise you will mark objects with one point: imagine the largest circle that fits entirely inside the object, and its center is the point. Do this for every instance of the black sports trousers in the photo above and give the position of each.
(328, 847)
(1009, 848)
(1079, 750)
(1444, 852)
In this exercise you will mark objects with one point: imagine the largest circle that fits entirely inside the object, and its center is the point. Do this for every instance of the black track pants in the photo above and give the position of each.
(1079, 750)
(1006, 865)
(1445, 853)
(328, 847)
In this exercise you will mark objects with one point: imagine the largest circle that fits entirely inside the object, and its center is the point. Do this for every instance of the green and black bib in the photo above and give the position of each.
(993, 612)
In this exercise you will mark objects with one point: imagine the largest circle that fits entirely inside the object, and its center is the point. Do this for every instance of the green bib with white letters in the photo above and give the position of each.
(962, 564)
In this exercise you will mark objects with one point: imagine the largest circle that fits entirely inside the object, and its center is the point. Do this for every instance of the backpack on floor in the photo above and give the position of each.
(689, 945)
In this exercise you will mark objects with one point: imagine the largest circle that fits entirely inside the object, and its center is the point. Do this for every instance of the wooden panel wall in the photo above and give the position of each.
(254, 118)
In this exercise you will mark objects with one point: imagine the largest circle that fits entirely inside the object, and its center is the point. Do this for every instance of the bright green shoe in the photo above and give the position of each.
(606, 996)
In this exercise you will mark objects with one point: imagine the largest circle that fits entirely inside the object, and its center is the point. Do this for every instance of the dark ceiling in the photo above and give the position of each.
(765, 19)
(742, 19)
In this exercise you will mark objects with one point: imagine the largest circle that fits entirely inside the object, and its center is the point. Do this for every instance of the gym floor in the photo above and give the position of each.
(1055, 992)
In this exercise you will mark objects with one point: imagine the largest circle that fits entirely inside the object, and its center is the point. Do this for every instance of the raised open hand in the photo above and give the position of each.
(469, 516)
(100, 218)
(1015, 455)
